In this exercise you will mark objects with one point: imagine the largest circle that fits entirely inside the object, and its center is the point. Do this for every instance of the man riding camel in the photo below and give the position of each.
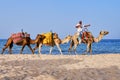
(80, 29)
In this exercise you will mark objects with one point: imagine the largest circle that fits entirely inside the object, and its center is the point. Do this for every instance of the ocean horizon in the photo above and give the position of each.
(105, 46)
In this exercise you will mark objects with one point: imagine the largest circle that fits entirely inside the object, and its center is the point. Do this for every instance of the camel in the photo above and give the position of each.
(25, 41)
(88, 42)
(56, 42)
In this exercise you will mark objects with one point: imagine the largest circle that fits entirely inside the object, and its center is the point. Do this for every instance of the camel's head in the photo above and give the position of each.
(68, 37)
(55, 35)
(104, 32)
(40, 37)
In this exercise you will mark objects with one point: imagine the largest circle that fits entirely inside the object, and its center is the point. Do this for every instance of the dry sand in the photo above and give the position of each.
(60, 67)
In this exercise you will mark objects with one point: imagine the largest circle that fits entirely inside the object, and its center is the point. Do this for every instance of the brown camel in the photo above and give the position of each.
(88, 41)
(56, 42)
(25, 41)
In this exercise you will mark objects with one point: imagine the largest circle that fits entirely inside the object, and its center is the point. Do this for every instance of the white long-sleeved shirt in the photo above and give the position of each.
(79, 29)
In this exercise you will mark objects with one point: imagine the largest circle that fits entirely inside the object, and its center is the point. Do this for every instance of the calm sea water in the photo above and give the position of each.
(105, 46)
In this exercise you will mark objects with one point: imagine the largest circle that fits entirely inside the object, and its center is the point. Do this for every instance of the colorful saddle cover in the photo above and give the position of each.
(48, 38)
(18, 37)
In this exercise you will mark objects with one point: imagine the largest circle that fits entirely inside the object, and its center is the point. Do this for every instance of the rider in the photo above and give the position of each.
(80, 29)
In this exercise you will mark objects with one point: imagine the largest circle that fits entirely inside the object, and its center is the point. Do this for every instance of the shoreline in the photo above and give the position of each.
(59, 67)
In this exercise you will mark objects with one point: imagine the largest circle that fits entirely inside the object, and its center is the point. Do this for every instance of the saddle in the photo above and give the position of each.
(48, 40)
(18, 37)
(86, 36)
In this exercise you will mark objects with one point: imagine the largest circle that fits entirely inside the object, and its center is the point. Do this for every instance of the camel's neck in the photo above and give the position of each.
(98, 38)
(32, 41)
(63, 41)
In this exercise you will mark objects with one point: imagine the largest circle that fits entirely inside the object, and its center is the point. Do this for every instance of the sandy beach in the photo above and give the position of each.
(59, 67)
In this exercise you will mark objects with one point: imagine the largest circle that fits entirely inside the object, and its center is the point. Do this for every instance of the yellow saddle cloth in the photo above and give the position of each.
(48, 38)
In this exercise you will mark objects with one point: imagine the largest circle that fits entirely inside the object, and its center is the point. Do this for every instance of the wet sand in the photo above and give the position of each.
(59, 67)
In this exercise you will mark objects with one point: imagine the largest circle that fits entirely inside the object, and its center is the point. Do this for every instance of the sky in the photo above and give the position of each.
(60, 16)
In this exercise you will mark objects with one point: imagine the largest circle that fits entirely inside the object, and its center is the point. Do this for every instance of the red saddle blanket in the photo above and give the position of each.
(18, 37)
(86, 36)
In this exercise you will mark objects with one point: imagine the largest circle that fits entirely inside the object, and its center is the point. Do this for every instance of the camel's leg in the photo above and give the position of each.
(69, 50)
(75, 46)
(90, 49)
(30, 49)
(80, 41)
(58, 46)
(22, 49)
(71, 45)
(40, 46)
(87, 48)
(37, 45)
(51, 50)
(35, 48)
(6, 46)
(9, 42)
(10, 48)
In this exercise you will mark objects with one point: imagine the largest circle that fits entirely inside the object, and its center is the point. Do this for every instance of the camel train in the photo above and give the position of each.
(52, 39)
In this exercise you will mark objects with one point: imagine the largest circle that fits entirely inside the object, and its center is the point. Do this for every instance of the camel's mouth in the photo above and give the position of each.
(106, 33)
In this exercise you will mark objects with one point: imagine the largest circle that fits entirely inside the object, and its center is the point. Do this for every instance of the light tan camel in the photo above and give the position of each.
(25, 41)
(56, 42)
(89, 41)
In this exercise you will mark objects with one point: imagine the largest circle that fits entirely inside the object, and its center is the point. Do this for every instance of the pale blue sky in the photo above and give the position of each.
(61, 16)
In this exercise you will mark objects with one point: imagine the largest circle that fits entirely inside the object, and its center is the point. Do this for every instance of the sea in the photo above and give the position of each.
(105, 46)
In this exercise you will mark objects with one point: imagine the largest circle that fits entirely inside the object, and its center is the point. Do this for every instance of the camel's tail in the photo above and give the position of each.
(8, 41)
